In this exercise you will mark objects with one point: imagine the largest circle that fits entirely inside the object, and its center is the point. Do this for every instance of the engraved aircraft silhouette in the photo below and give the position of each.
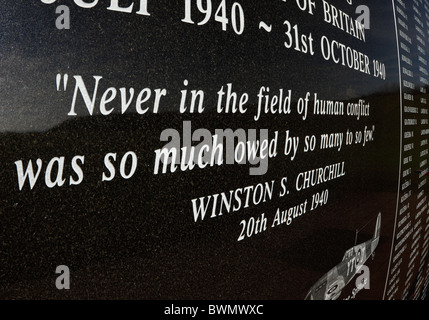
(329, 287)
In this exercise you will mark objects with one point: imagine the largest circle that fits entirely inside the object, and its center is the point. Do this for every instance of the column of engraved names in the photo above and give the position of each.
(409, 122)
(426, 133)
(420, 206)
(423, 213)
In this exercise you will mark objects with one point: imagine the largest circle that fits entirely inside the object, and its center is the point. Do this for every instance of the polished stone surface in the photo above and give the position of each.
(137, 238)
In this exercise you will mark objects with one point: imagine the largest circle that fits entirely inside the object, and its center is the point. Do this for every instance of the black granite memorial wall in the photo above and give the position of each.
(214, 149)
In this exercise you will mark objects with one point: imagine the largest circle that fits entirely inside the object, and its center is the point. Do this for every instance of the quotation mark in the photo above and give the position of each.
(65, 80)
